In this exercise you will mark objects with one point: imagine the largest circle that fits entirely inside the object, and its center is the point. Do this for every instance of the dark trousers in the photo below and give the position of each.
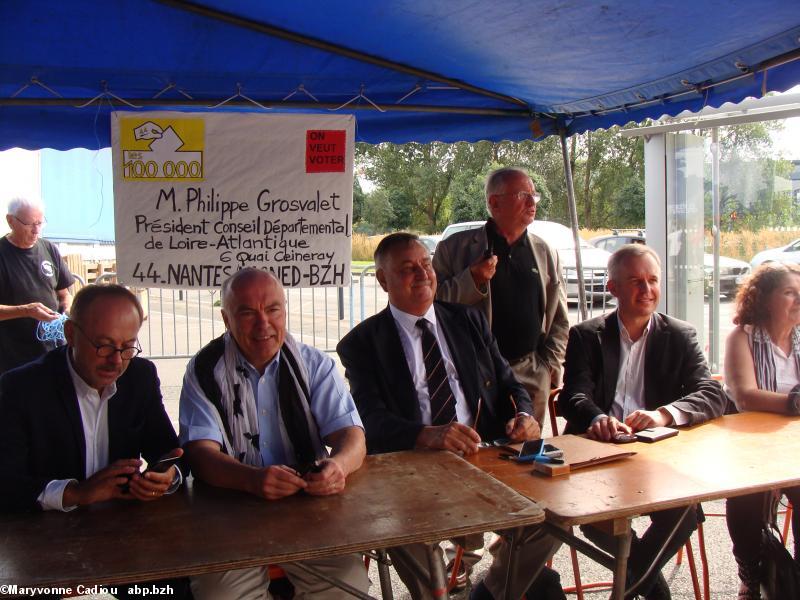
(644, 549)
(745, 516)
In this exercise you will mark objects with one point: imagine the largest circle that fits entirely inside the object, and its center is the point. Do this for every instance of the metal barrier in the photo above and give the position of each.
(598, 300)
(180, 322)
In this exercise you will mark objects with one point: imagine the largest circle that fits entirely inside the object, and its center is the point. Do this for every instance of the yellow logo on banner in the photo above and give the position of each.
(165, 149)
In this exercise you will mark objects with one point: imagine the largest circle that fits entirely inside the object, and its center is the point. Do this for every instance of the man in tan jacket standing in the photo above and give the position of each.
(515, 278)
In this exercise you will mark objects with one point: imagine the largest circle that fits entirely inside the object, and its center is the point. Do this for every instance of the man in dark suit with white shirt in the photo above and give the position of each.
(630, 370)
(428, 374)
(74, 422)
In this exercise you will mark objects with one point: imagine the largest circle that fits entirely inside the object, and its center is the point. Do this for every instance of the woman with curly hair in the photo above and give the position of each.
(762, 372)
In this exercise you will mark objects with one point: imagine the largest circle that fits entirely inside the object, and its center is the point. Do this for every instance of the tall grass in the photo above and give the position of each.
(364, 246)
(588, 234)
(745, 244)
(735, 244)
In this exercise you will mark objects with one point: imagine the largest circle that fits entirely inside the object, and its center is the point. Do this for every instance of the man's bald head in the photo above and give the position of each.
(254, 311)
(244, 277)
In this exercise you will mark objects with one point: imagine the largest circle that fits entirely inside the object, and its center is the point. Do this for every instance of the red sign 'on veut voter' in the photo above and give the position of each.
(325, 150)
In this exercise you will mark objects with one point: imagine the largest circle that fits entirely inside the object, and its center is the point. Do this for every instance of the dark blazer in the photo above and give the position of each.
(452, 262)
(41, 433)
(383, 388)
(675, 371)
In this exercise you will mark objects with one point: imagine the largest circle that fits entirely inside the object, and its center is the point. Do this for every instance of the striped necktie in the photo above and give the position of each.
(443, 403)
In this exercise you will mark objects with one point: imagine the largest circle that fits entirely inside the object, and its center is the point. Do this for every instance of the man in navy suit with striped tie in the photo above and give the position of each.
(429, 375)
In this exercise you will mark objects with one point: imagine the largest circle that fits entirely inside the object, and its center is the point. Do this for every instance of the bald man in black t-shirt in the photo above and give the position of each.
(34, 284)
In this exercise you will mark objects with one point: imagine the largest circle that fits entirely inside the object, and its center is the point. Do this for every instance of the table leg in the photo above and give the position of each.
(511, 570)
(436, 569)
(383, 574)
(621, 563)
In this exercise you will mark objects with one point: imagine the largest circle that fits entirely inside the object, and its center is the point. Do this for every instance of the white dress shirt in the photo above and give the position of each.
(629, 393)
(411, 340)
(94, 418)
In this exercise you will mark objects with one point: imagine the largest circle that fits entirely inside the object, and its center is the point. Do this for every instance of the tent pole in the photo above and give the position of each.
(210, 102)
(713, 313)
(573, 217)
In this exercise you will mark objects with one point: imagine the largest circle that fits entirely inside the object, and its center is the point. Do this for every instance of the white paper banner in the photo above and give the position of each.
(198, 196)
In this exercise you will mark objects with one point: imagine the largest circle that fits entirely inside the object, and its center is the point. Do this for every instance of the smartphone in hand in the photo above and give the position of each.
(162, 465)
(309, 467)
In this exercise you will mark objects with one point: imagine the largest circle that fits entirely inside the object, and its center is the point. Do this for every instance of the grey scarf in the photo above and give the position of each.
(764, 358)
(239, 404)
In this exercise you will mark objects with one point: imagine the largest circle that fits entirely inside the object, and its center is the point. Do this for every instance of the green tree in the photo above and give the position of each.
(441, 184)
(376, 213)
(628, 205)
(385, 210)
(358, 200)
(421, 174)
(467, 197)
(437, 184)
(605, 165)
(749, 196)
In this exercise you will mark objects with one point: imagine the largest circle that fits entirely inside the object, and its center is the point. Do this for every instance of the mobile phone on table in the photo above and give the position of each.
(655, 434)
(540, 448)
(538, 451)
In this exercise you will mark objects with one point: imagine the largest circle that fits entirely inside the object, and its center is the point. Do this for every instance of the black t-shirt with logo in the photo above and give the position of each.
(28, 275)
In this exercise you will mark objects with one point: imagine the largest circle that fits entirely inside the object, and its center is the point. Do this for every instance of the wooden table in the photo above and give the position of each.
(729, 456)
(393, 499)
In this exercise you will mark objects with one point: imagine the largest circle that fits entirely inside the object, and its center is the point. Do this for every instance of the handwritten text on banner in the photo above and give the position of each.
(199, 196)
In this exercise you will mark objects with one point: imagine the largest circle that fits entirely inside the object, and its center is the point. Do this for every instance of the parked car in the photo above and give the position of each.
(559, 238)
(430, 242)
(594, 260)
(731, 270)
(790, 253)
(456, 227)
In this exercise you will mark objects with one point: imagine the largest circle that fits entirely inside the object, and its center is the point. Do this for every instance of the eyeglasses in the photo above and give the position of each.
(524, 196)
(38, 224)
(106, 350)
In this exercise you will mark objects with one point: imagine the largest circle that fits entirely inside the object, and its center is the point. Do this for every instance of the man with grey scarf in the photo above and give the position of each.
(257, 410)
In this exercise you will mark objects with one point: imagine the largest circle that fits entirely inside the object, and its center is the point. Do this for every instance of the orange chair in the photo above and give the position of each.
(554, 412)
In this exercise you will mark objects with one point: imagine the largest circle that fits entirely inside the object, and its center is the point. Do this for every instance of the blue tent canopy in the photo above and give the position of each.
(416, 70)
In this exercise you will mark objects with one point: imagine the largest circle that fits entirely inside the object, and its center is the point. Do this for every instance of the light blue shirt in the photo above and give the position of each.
(330, 403)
